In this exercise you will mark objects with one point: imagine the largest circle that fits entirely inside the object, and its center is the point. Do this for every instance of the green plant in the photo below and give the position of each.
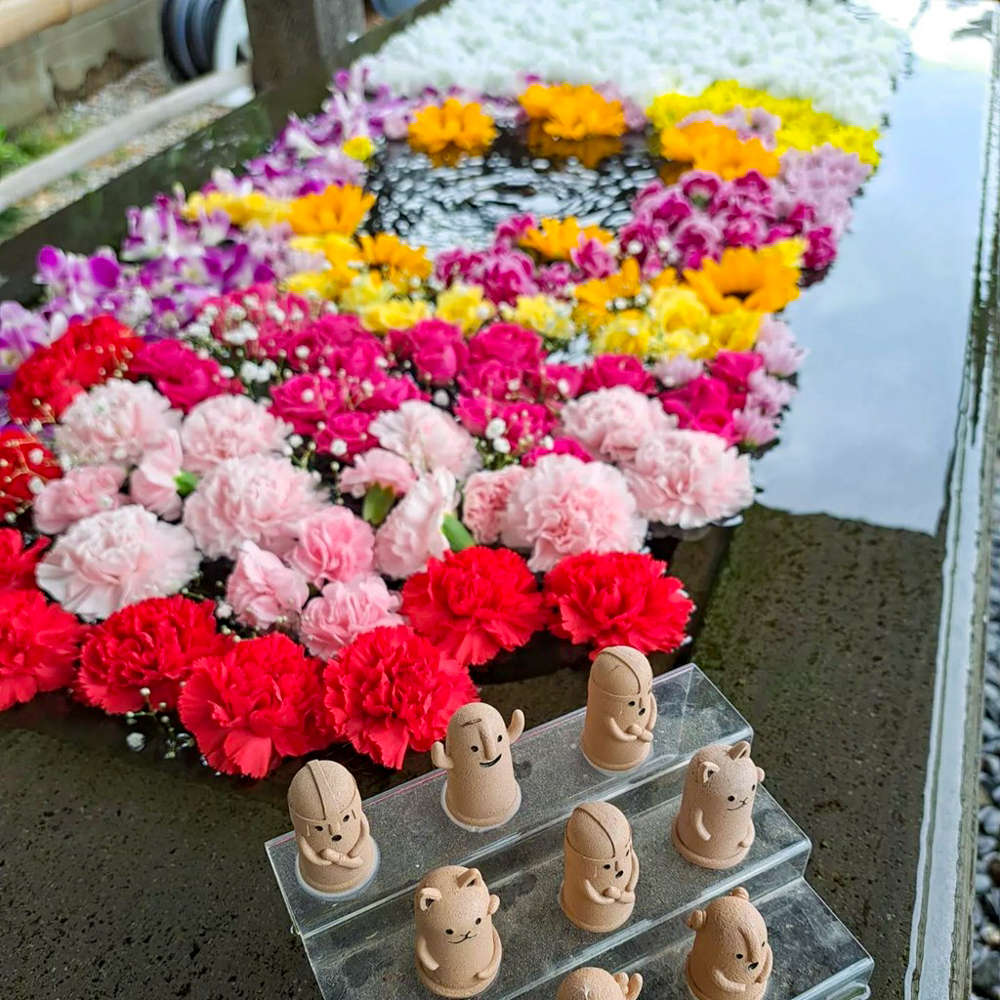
(12, 155)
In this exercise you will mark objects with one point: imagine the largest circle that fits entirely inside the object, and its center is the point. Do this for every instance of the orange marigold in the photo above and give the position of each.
(397, 261)
(707, 146)
(576, 113)
(338, 209)
(452, 126)
(556, 238)
(754, 280)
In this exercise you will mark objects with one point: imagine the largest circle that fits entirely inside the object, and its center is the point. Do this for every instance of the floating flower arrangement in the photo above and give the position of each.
(285, 473)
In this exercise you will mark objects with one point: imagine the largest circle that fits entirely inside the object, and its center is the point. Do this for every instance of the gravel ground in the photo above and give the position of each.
(137, 87)
(986, 915)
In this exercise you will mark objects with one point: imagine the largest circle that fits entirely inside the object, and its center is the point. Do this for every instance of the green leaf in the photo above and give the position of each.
(185, 483)
(457, 533)
(378, 503)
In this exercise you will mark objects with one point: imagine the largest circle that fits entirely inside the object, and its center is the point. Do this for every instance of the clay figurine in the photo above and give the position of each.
(621, 710)
(714, 828)
(458, 949)
(731, 957)
(481, 791)
(601, 868)
(596, 984)
(336, 851)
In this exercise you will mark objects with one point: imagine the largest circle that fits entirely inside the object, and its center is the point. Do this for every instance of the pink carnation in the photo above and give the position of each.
(333, 544)
(755, 428)
(113, 423)
(612, 423)
(346, 610)
(565, 507)
(428, 438)
(484, 506)
(115, 558)
(154, 482)
(412, 533)
(263, 590)
(80, 493)
(768, 394)
(260, 499)
(306, 401)
(377, 467)
(776, 345)
(507, 343)
(556, 446)
(229, 427)
(678, 370)
(689, 479)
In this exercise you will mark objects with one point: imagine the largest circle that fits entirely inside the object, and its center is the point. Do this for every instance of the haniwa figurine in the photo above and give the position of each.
(458, 950)
(714, 828)
(336, 852)
(731, 957)
(621, 710)
(596, 984)
(601, 868)
(481, 791)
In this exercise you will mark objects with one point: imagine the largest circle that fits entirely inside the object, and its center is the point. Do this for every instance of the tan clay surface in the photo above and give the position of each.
(482, 790)
(601, 868)
(621, 710)
(596, 984)
(714, 827)
(731, 957)
(336, 851)
(458, 950)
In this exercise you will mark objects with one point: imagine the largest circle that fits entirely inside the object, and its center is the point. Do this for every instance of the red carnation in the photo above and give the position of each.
(255, 704)
(25, 466)
(39, 646)
(475, 603)
(618, 599)
(17, 563)
(150, 645)
(87, 354)
(391, 690)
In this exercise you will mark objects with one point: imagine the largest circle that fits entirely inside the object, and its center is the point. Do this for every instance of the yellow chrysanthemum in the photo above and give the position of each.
(692, 343)
(242, 209)
(790, 251)
(556, 239)
(359, 147)
(543, 314)
(596, 297)
(464, 305)
(367, 289)
(314, 284)
(757, 280)
(590, 151)
(396, 314)
(453, 125)
(627, 332)
(342, 256)
(678, 308)
(397, 261)
(338, 209)
(733, 331)
(707, 146)
(568, 112)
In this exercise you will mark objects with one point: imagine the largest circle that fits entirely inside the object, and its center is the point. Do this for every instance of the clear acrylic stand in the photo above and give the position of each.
(362, 947)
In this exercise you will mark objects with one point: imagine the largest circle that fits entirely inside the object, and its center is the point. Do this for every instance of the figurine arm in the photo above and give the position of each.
(768, 965)
(594, 896)
(699, 825)
(424, 956)
(310, 855)
(654, 714)
(631, 986)
(751, 836)
(440, 758)
(618, 734)
(516, 726)
(365, 833)
(727, 984)
(634, 877)
(342, 860)
(491, 970)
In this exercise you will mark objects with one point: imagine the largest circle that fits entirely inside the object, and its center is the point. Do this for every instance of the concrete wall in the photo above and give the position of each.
(57, 60)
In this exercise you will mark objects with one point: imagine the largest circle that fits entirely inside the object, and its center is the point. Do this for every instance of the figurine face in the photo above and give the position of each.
(730, 783)
(614, 870)
(731, 939)
(477, 738)
(340, 832)
(743, 951)
(456, 912)
(633, 710)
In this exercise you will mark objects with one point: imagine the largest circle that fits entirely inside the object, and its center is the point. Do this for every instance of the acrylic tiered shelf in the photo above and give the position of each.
(362, 947)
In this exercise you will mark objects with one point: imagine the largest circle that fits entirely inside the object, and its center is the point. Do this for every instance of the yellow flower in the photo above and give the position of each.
(733, 331)
(359, 147)
(596, 297)
(397, 261)
(590, 151)
(543, 314)
(670, 108)
(693, 343)
(338, 209)
(745, 279)
(707, 146)
(314, 284)
(367, 289)
(678, 308)
(453, 125)
(242, 209)
(627, 332)
(395, 314)
(465, 306)
(790, 252)
(557, 239)
(576, 113)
